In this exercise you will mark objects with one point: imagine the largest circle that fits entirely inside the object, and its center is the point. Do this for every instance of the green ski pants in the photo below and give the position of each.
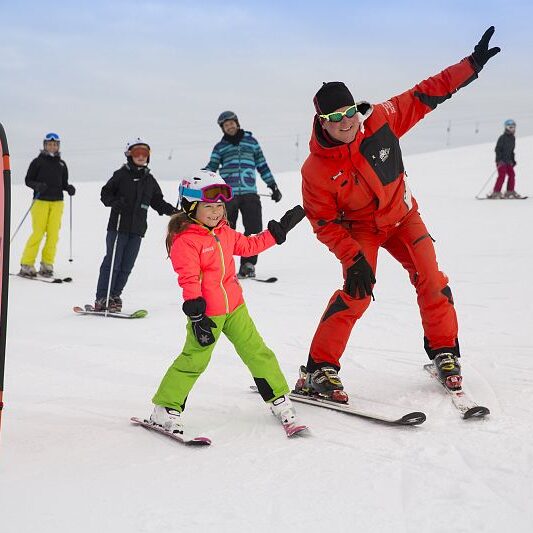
(193, 360)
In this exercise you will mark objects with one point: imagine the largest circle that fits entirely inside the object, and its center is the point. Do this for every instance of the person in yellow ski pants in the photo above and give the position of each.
(48, 177)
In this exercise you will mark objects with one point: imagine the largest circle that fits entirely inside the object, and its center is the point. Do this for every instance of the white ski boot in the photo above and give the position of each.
(27, 271)
(283, 409)
(167, 418)
(46, 270)
(285, 412)
(513, 195)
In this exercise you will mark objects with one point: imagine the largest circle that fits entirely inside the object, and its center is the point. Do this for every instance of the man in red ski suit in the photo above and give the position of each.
(356, 198)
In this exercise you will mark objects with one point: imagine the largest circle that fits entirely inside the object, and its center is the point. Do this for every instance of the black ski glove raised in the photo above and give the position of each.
(482, 53)
(71, 190)
(280, 229)
(202, 325)
(359, 278)
(276, 193)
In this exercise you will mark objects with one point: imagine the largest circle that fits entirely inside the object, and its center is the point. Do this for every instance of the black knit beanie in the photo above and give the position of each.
(331, 96)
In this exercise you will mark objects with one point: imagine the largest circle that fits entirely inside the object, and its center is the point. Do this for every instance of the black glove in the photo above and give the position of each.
(119, 203)
(280, 229)
(481, 52)
(201, 324)
(40, 187)
(359, 278)
(276, 193)
(71, 190)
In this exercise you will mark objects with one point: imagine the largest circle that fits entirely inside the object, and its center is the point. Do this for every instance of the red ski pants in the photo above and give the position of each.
(411, 244)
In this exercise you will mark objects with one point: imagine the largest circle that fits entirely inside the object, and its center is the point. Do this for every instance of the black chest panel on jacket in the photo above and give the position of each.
(383, 153)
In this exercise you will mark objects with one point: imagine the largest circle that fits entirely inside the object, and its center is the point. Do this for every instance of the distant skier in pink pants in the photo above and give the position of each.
(505, 162)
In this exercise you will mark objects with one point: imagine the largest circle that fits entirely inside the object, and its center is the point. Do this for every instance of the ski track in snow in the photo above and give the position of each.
(71, 461)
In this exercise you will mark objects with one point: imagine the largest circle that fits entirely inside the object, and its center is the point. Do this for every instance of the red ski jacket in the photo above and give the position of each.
(363, 181)
(203, 260)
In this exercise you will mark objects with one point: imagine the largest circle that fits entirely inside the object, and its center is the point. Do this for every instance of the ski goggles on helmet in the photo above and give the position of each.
(51, 137)
(140, 150)
(337, 116)
(209, 193)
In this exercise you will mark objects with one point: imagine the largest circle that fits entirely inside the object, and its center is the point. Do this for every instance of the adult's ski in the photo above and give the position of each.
(42, 279)
(261, 280)
(195, 441)
(462, 401)
(89, 310)
(363, 408)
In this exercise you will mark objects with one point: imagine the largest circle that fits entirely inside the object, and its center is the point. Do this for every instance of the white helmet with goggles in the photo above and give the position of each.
(204, 186)
(138, 141)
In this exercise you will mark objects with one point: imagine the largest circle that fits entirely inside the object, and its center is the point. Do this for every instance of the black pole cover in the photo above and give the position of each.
(5, 212)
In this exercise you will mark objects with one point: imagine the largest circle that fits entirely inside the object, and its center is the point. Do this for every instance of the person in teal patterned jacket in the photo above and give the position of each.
(237, 157)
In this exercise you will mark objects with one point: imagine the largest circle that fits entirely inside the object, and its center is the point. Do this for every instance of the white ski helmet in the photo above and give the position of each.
(135, 142)
(203, 186)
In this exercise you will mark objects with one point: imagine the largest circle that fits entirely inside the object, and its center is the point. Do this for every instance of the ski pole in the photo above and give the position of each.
(70, 257)
(485, 184)
(24, 217)
(111, 271)
(265, 194)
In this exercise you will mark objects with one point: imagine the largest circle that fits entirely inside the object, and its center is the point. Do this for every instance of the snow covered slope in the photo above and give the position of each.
(71, 462)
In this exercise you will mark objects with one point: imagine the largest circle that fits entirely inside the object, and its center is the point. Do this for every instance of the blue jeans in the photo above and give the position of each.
(126, 252)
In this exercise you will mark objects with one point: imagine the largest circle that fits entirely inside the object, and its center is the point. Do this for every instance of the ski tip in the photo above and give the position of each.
(66, 280)
(199, 441)
(300, 430)
(78, 309)
(478, 411)
(141, 313)
(412, 419)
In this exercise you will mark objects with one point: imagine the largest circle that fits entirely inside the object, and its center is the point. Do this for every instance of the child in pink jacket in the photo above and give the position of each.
(201, 245)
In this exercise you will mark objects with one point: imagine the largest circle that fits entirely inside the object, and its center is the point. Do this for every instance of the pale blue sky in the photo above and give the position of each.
(100, 72)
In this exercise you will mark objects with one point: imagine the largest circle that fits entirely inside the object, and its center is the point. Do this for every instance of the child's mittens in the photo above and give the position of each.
(280, 229)
(202, 325)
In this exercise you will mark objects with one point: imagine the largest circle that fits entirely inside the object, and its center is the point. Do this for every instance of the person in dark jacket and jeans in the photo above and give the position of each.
(130, 192)
(48, 177)
(239, 155)
(505, 163)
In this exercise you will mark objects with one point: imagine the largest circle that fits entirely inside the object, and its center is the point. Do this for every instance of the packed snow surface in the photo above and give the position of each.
(71, 462)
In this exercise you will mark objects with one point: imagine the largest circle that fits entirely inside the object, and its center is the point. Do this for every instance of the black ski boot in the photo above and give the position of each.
(115, 304)
(100, 304)
(448, 370)
(323, 382)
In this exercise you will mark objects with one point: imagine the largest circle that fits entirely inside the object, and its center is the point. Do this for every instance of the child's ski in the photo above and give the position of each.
(265, 280)
(363, 408)
(461, 400)
(44, 280)
(89, 310)
(196, 441)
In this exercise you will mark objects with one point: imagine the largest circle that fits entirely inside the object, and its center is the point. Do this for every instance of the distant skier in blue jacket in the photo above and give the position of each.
(237, 157)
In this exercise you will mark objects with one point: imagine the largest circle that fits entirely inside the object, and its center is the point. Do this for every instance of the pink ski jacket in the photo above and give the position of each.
(203, 260)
